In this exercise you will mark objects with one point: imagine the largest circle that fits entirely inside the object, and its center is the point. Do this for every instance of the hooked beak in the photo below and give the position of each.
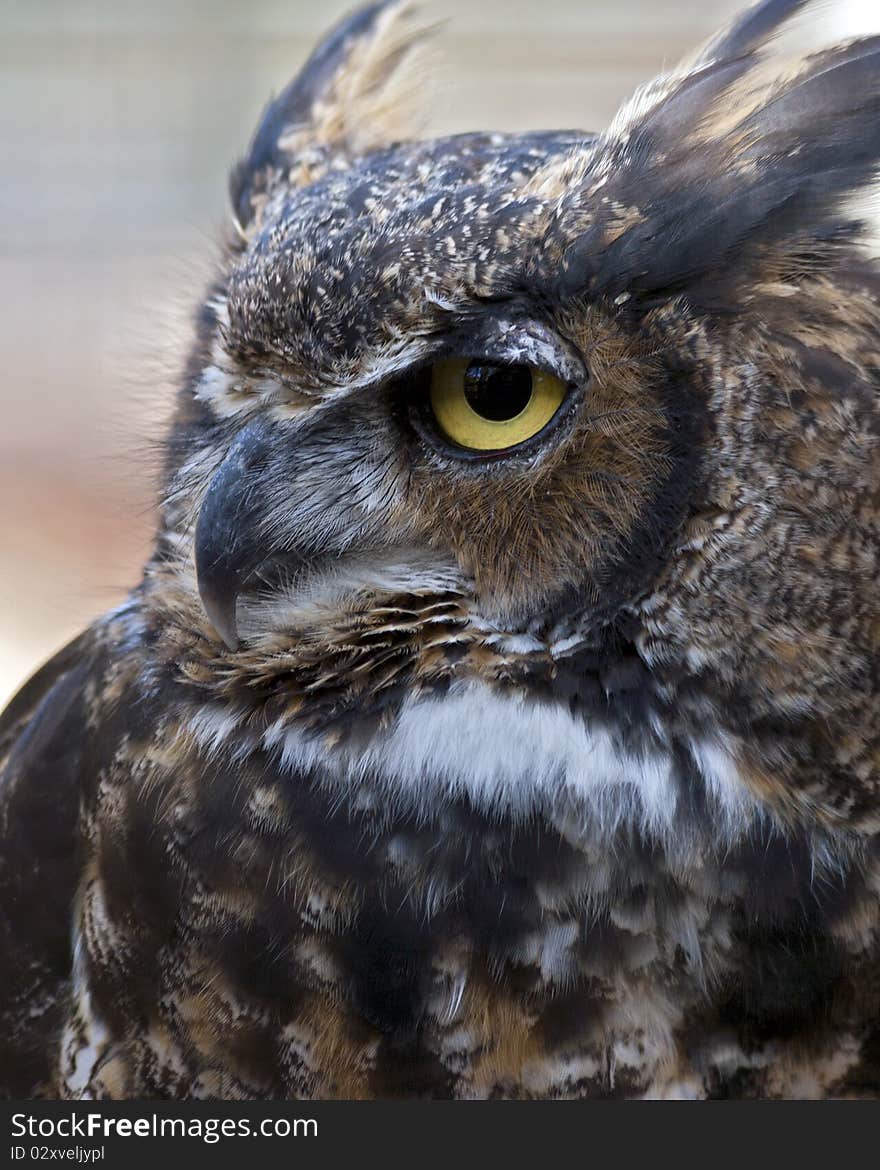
(228, 541)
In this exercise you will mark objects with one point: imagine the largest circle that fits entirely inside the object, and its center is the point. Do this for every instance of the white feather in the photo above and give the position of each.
(509, 754)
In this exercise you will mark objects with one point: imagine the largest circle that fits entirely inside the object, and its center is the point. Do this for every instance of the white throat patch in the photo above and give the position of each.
(515, 756)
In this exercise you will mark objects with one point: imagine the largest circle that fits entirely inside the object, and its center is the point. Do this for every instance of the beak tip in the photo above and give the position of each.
(231, 642)
(222, 618)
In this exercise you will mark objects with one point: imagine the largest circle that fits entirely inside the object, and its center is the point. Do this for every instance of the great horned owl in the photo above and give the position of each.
(498, 712)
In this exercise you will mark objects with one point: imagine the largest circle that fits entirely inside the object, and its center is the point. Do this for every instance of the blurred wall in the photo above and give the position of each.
(118, 121)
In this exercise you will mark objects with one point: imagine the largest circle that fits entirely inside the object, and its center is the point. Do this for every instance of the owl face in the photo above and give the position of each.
(575, 415)
(418, 388)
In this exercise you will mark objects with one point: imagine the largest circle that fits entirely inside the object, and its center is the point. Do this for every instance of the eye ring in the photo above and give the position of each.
(485, 408)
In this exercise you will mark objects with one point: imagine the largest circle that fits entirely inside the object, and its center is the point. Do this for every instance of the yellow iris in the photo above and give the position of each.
(486, 406)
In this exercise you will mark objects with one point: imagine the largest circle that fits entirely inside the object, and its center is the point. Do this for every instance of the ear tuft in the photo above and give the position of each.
(363, 88)
(380, 94)
(754, 151)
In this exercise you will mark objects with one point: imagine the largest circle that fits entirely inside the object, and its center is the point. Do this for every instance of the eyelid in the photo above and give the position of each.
(513, 337)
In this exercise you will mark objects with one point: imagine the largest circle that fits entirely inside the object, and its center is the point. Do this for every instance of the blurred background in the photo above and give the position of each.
(118, 122)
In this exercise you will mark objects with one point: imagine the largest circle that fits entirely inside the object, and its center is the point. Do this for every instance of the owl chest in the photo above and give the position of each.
(281, 923)
(319, 969)
(246, 926)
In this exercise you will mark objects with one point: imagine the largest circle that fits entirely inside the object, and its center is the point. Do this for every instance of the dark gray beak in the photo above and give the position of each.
(229, 544)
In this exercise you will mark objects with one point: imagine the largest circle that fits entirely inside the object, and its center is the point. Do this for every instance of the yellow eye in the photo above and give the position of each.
(487, 406)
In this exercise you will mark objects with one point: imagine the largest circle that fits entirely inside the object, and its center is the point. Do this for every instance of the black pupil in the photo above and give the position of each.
(497, 393)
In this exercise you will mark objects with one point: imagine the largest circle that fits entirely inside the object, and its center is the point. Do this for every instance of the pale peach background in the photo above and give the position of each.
(118, 122)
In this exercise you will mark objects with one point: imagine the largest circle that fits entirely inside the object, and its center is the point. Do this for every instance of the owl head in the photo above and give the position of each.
(532, 406)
